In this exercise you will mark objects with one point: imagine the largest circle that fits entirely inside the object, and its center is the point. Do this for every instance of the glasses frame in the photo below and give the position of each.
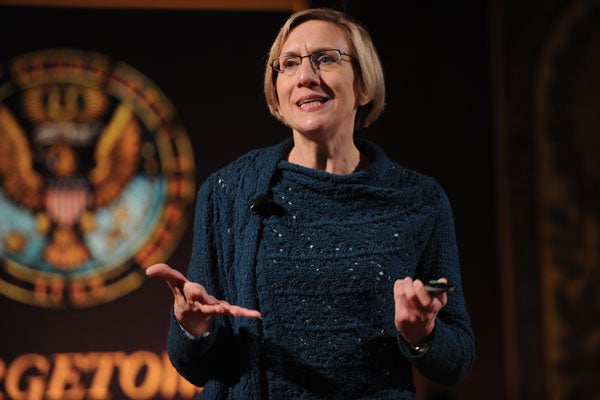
(311, 57)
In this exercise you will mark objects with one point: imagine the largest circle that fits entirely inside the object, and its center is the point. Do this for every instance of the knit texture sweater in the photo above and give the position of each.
(320, 266)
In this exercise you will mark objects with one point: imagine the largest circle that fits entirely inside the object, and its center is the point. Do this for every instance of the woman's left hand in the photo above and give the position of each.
(416, 309)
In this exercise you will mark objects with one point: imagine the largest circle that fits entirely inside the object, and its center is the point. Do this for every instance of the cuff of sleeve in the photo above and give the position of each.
(194, 337)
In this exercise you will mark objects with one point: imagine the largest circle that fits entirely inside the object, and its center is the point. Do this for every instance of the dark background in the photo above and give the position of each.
(436, 57)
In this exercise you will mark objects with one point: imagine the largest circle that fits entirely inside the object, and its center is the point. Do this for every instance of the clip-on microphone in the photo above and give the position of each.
(264, 206)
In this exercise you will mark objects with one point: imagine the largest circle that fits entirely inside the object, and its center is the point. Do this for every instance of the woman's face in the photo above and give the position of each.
(318, 104)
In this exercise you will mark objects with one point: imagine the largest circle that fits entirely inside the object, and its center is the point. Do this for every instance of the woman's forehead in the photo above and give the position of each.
(315, 35)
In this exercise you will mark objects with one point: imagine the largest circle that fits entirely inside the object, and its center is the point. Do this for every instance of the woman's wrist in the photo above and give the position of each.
(203, 330)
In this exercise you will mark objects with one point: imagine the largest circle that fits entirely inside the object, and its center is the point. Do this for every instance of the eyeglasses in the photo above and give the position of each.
(323, 60)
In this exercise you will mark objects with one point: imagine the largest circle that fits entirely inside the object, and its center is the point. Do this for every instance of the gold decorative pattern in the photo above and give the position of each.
(96, 177)
(567, 126)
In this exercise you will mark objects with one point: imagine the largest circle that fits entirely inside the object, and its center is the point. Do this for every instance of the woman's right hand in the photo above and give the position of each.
(193, 307)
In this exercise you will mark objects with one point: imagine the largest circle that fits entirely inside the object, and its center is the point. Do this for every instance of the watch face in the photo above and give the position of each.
(420, 348)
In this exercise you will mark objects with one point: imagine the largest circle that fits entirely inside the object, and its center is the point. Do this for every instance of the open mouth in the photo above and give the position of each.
(311, 102)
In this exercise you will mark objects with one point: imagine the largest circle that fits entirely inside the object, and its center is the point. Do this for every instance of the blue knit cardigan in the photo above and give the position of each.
(227, 363)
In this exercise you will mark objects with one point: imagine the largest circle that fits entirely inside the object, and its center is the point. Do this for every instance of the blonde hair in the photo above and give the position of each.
(369, 81)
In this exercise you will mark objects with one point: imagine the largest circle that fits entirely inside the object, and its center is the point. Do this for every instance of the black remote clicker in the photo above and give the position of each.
(436, 287)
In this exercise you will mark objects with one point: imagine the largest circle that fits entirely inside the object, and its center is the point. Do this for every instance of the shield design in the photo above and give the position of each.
(66, 200)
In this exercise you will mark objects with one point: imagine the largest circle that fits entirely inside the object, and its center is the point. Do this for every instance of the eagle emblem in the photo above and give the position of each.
(93, 178)
(52, 181)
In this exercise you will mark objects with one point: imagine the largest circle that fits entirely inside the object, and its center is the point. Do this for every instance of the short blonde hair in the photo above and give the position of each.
(368, 70)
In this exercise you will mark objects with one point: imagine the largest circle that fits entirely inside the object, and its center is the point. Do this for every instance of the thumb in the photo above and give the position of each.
(171, 275)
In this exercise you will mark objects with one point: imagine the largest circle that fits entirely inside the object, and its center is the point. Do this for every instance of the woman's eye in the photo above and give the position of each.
(290, 63)
(325, 59)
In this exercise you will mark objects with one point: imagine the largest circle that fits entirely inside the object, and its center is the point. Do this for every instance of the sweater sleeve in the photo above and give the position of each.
(205, 358)
(452, 353)
(224, 244)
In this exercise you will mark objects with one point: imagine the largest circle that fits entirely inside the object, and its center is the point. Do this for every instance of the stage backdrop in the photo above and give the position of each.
(98, 172)
(110, 118)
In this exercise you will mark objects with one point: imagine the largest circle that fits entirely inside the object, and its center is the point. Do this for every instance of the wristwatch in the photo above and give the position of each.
(420, 348)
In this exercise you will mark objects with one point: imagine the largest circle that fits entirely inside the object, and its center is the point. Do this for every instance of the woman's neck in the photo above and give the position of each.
(338, 157)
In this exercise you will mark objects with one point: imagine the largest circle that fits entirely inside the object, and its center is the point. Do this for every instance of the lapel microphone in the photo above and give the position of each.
(265, 207)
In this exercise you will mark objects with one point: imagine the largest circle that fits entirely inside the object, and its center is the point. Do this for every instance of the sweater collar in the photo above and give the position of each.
(379, 163)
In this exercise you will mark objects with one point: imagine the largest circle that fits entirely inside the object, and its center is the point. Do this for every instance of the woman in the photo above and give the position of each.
(317, 289)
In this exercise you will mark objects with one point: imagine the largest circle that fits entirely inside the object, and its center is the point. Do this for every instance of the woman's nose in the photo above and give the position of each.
(307, 72)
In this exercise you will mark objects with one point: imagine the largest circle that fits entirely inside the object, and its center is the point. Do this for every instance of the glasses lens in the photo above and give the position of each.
(287, 64)
(326, 59)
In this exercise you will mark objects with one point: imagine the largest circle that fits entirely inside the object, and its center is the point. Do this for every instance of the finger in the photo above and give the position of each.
(224, 308)
(442, 297)
(404, 291)
(398, 288)
(237, 311)
(410, 288)
(424, 298)
(171, 275)
(201, 300)
(406, 286)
